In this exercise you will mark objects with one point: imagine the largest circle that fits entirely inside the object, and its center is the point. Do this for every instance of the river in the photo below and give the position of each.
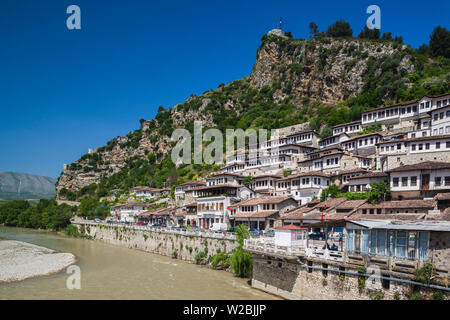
(113, 272)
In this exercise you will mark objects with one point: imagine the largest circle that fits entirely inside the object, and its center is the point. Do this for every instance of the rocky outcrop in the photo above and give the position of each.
(327, 70)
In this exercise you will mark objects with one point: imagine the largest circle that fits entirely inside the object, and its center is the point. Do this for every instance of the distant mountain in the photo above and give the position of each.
(16, 185)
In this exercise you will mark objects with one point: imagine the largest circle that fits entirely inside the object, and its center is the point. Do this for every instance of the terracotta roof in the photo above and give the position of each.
(446, 136)
(413, 204)
(228, 174)
(364, 135)
(351, 171)
(267, 176)
(327, 148)
(216, 186)
(427, 165)
(370, 175)
(256, 201)
(259, 214)
(297, 214)
(149, 188)
(142, 204)
(157, 212)
(347, 123)
(442, 196)
(300, 132)
(393, 216)
(192, 182)
(405, 103)
(290, 227)
(351, 204)
(306, 174)
(330, 203)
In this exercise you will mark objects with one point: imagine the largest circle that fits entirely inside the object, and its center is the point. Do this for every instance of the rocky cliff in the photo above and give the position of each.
(291, 79)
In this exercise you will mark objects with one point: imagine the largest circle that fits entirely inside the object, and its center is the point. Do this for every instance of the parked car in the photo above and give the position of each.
(97, 220)
(219, 227)
(270, 233)
(141, 224)
(256, 232)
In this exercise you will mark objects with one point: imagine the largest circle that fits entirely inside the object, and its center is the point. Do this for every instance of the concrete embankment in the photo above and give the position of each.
(176, 245)
(21, 260)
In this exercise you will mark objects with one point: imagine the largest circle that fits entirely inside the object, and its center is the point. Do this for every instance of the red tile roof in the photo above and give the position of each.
(427, 165)
(259, 214)
(290, 227)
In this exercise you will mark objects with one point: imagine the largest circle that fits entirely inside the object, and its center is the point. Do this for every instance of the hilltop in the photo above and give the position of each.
(323, 82)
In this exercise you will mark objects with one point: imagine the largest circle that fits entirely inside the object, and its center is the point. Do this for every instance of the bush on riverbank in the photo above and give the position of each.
(241, 261)
(47, 214)
(221, 260)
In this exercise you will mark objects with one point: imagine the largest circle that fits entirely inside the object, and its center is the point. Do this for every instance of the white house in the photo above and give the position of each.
(129, 212)
(148, 193)
(290, 235)
(303, 187)
(420, 180)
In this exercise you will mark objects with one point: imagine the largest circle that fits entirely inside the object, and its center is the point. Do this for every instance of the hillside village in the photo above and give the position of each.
(282, 196)
(283, 180)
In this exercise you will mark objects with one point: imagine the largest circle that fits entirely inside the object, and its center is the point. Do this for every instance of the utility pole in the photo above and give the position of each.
(281, 23)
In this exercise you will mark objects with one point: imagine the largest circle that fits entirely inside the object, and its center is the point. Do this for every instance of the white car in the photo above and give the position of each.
(219, 227)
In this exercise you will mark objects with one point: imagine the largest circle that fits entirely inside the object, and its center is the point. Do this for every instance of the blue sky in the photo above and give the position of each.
(64, 91)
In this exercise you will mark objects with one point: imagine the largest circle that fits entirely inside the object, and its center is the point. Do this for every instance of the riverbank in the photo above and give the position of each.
(20, 260)
(112, 272)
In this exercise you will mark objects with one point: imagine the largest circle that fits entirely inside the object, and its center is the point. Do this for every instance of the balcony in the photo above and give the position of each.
(309, 248)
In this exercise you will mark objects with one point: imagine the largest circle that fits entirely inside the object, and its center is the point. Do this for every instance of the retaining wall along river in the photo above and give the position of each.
(175, 244)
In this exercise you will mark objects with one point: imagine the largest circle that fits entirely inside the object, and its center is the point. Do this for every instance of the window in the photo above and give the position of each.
(447, 144)
(447, 181)
(423, 246)
(381, 243)
(401, 245)
(427, 146)
(413, 181)
(437, 181)
(395, 182)
(404, 181)
(412, 245)
(420, 146)
(438, 145)
(413, 147)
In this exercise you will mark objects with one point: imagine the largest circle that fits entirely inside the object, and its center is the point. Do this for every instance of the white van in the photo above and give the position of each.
(219, 227)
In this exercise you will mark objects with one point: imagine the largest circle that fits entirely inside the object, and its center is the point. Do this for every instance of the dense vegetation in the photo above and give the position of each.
(378, 192)
(46, 214)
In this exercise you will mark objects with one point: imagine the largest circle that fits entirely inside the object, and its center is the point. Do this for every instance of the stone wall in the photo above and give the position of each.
(183, 247)
(293, 280)
(440, 250)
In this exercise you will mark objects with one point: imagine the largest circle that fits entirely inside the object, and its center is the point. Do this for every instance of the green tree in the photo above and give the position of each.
(440, 42)
(340, 29)
(379, 192)
(241, 261)
(366, 33)
(332, 191)
(313, 30)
